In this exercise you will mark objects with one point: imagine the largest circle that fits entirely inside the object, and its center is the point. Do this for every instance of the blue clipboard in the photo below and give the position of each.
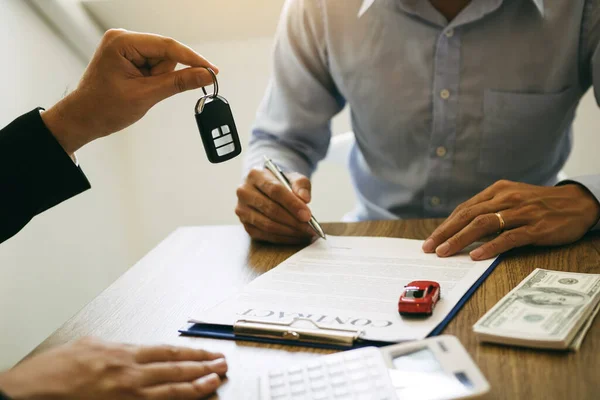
(285, 336)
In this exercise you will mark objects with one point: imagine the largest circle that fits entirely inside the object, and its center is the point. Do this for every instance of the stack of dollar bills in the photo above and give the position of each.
(549, 310)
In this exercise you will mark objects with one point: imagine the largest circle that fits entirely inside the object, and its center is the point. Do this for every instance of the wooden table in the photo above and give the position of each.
(197, 267)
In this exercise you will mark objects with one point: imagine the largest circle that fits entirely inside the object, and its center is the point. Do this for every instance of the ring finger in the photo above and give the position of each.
(481, 226)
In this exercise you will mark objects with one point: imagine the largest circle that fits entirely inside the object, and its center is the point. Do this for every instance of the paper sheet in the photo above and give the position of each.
(352, 283)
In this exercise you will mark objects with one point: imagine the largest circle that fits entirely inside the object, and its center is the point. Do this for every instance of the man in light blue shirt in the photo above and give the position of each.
(460, 108)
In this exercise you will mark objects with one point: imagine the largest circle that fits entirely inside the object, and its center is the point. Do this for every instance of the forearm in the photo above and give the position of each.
(69, 127)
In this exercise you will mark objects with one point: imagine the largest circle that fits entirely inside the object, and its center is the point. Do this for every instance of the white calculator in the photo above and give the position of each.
(438, 368)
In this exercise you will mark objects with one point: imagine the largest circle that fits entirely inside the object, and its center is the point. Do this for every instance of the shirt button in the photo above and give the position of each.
(449, 33)
(440, 151)
(445, 94)
(435, 201)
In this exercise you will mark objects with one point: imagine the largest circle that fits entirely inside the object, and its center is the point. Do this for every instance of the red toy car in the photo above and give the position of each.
(419, 297)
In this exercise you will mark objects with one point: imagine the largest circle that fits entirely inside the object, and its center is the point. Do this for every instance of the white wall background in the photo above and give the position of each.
(66, 256)
(146, 181)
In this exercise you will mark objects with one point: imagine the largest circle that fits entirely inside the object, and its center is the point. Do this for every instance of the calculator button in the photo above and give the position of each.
(357, 376)
(296, 370)
(230, 148)
(320, 395)
(340, 391)
(361, 386)
(316, 375)
(278, 382)
(318, 385)
(353, 356)
(314, 365)
(334, 362)
(298, 390)
(354, 366)
(371, 361)
(278, 393)
(364, 396)
(338, 381)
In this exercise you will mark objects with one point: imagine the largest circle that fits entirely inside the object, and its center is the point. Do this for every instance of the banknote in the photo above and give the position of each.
(548, 309)
(578, 339)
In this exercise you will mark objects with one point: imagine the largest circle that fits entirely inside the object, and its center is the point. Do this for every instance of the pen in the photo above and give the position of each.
(275, 170)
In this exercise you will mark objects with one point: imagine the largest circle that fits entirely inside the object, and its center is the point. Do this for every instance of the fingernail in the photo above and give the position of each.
(304, 195)
(476, 254)
(443, 249)
(211, 380)
(428, 246)
(219, 365)
(303, 215)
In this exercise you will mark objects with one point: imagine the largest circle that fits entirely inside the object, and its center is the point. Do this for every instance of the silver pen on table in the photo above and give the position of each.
(278, 173)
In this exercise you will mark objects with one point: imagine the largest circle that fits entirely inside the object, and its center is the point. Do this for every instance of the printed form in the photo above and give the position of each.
(352, 283)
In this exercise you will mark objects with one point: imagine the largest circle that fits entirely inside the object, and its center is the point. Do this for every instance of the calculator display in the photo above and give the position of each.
(419, 373)
(422, 360)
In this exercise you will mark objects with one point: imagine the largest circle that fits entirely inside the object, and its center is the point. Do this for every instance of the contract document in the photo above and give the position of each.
(352, 283)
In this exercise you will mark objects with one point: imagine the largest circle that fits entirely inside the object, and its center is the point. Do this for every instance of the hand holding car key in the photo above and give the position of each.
(217, 127)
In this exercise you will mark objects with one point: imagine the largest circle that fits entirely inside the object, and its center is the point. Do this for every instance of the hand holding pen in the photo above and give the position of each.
(271, 212)
(278, 173)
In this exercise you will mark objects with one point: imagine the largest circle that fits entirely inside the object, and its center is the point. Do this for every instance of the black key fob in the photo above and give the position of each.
(217, 127)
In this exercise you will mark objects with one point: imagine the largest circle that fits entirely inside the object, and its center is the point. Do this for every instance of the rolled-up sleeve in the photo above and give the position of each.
(293, 122)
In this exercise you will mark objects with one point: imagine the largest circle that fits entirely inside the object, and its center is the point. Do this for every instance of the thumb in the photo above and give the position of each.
(301, 186)
(166, 85)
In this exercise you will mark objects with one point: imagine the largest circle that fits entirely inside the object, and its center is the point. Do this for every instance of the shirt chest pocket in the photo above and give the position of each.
(525, 134)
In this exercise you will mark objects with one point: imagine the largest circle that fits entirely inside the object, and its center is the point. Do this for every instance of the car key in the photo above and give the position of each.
(217, 126)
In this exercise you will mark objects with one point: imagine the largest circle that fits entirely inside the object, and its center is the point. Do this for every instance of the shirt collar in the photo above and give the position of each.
(540, 5)
(365, 6)
(368, 3)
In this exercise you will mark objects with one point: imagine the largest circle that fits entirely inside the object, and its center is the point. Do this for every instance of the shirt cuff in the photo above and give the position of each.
(592, 184)
(287, 159)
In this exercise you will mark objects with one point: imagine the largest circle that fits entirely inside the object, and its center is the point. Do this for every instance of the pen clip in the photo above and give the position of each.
(274, 168)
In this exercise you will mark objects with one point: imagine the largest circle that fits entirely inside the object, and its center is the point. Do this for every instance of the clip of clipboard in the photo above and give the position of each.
(316, 336)
(284, 333)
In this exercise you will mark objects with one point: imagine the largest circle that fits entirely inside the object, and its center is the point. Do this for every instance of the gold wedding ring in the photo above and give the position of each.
(501, 220)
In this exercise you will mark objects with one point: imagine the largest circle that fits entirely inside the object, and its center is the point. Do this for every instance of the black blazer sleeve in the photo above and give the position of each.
(35, 173)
